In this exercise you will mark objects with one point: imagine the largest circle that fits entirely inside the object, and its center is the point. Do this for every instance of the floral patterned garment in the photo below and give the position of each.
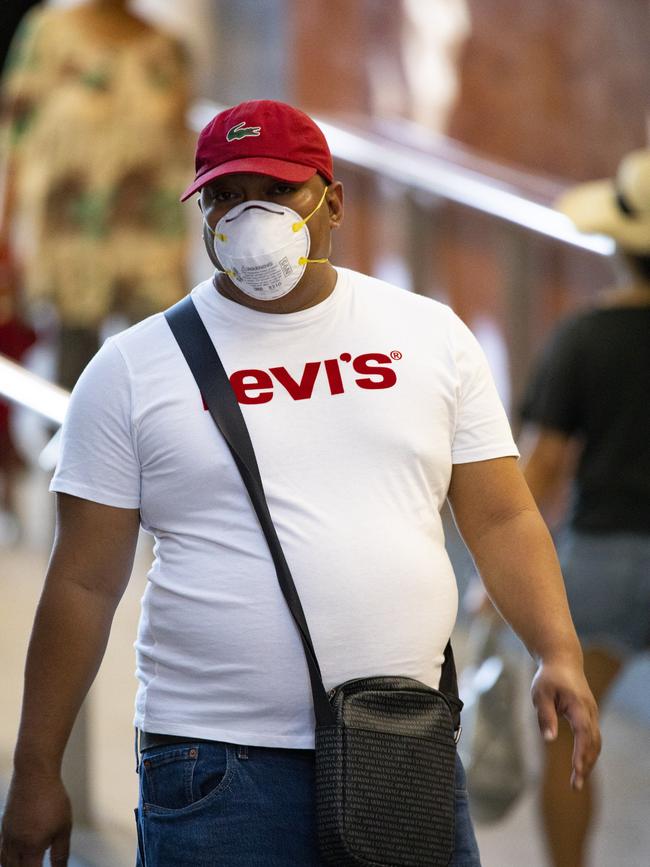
(99, 152)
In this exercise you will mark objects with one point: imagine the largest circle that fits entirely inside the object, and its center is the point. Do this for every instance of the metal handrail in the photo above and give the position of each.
(436, 176)
(27, 389)
(23, 387)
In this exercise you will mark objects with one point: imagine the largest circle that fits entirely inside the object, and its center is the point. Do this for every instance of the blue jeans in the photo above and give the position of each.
(212, 804)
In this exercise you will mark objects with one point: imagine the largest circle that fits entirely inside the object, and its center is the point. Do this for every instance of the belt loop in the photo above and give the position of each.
(242, 752)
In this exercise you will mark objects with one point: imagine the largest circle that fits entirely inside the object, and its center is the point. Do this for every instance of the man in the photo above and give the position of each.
(367, 406)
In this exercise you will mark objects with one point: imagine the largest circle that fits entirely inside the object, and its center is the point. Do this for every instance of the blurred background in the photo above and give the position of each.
(455, 125)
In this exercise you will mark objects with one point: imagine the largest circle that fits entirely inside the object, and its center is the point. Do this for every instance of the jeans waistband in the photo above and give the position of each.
(146, 740)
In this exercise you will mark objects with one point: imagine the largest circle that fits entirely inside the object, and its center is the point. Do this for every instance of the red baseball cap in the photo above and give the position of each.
(263, 137)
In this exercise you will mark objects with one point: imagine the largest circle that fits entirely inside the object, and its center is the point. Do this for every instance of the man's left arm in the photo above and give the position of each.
(514, 554)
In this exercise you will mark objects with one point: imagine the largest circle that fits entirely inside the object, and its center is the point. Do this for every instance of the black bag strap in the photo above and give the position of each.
(214, 385)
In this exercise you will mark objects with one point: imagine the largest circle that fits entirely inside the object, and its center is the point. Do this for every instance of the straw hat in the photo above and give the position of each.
(618, 207)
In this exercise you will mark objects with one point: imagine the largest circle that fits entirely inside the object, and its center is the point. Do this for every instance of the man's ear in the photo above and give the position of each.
(335, 203)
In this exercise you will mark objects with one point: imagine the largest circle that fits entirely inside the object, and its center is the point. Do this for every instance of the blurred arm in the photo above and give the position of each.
(548, 462)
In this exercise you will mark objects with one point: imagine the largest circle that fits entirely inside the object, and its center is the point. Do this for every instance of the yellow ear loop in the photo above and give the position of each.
(303, 260)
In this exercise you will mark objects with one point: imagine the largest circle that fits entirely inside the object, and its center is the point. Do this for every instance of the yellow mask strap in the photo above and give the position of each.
(299, 225)
(304, 261)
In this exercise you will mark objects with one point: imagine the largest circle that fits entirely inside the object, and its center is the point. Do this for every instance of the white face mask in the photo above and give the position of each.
(264, 247)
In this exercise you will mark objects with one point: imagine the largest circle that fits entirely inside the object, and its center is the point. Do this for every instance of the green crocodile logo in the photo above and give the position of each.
(241, 131)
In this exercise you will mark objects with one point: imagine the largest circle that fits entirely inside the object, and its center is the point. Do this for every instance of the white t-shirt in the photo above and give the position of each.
(357, 409)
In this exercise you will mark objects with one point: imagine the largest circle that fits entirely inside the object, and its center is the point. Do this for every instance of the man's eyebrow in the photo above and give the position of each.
(215, 187)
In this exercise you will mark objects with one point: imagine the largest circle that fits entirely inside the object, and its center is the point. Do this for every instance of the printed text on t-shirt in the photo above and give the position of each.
(253, 385)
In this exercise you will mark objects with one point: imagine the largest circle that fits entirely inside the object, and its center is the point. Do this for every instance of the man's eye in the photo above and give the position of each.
(283, 189)
(223, 196)
(217, 195)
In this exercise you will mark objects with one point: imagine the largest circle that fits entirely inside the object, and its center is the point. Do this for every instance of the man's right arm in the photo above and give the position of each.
(89, 569)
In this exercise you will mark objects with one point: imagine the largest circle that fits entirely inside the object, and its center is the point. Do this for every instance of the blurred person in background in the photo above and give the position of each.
(587, 408)
(95, 146)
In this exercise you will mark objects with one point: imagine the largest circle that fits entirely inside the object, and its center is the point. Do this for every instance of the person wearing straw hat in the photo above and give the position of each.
(587, 408)
(368, 407)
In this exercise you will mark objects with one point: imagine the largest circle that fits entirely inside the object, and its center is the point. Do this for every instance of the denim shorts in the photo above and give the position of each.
(607, 578)
(213, 804)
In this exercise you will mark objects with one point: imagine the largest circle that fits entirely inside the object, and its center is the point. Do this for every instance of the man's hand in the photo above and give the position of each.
(561, 689)
(37, 817)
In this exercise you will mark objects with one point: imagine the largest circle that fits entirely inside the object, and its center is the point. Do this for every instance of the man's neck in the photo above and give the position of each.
(316, 285)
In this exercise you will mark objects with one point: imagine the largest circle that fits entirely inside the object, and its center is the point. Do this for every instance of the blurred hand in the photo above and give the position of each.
(561, 689)
(37, 817)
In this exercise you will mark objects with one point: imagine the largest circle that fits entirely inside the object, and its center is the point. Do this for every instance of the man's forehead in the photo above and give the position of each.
(244, 178)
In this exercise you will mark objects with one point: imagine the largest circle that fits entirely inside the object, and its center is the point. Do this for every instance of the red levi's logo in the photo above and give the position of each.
(368, 371)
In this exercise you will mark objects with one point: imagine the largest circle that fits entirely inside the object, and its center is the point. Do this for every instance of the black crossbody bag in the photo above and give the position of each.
(385, 746)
